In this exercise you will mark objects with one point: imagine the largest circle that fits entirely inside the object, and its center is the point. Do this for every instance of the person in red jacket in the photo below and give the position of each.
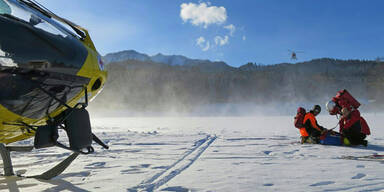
(353, 127)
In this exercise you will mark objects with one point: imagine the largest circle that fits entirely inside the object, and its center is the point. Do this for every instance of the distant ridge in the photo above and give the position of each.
(172, 60)
(220, 66)
(125, 55)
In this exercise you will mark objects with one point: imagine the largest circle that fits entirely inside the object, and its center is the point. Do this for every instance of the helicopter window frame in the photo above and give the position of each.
(54, 23)
(68, 28)
(60, 24)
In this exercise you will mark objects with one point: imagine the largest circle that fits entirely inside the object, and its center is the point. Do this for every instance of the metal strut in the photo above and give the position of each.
(6, 156)
(7, 162)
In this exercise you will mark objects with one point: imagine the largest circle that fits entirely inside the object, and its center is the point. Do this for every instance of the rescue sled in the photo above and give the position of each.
(49, 70)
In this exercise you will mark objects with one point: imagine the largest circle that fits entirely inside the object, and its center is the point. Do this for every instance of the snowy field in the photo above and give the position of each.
(206, 154)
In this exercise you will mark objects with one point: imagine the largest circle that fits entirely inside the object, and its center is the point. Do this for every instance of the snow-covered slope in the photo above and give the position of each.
(206, 154)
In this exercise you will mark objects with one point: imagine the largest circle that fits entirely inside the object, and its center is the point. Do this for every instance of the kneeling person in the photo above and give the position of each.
(351, 127)
(313, 129)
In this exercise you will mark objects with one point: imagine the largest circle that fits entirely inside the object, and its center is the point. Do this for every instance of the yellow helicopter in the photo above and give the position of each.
(49, 70)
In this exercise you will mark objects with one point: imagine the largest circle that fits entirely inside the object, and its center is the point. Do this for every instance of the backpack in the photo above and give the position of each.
(364, 126)
(299, 118)
(345, 99)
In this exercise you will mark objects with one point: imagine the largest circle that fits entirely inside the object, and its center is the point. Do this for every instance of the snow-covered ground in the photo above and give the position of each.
(206, 154)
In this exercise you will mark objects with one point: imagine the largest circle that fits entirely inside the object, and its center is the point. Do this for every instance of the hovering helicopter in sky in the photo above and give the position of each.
(294, 54)
(49, 70)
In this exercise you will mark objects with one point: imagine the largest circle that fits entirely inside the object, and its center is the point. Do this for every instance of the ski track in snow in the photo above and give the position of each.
(176, 168)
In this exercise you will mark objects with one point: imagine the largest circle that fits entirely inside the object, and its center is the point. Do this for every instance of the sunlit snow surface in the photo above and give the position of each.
(206, 154)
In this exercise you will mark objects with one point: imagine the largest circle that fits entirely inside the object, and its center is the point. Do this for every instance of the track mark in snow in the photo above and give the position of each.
(131, 171)
(360, 166)
(322, 183)
(240, 157)
(141, 166)
(96, 165)
(267, 152)
(358, 176)
(99, 165)
(291, 152)
(176, 168)
(246, 139)
(160, 167)
(196, 145)
(176, 189)
(355, 187)
(153, 144)
(279, 138)
(76, 174)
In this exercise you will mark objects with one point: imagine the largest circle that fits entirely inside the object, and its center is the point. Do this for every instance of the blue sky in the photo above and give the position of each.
(236, 32)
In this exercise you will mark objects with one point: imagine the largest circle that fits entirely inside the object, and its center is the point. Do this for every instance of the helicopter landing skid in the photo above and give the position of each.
(51, 173)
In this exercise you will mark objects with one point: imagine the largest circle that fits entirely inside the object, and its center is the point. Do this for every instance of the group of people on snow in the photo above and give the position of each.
(353, 128)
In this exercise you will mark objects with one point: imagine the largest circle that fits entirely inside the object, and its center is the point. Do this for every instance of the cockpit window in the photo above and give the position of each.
(31, 39)
(4, 8)
(16, 10)
(54, 19)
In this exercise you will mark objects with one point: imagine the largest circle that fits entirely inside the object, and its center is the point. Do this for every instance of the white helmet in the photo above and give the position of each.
(330, 106)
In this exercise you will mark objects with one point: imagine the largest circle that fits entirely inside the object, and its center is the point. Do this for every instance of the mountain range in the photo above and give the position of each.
(172, 60)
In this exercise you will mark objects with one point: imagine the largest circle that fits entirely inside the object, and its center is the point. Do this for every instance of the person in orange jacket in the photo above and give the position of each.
(312, 128)
(353, 128)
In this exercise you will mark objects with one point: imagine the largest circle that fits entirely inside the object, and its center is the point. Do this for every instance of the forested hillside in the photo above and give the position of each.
(148, 86)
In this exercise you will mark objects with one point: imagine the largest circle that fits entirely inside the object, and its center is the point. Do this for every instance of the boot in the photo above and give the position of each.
(364, 143)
